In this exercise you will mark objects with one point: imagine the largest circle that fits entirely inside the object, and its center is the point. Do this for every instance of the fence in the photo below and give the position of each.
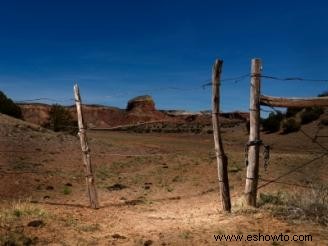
(252, 147)
(256, 100)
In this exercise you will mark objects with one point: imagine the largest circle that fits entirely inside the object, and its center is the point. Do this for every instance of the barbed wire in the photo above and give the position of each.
(302, 151)
(292, 170)
(286, 183)
(242, 77)
(234, 79)
(313, 139)
(24, 172)
(290, 78)
(133, 155)
(204, 84)
(19, 151)
(94, 153)
(44, 99)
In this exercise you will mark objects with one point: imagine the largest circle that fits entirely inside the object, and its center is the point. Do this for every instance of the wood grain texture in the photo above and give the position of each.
(294, 102)
(254, 134)
(89, 174)
(222, 160)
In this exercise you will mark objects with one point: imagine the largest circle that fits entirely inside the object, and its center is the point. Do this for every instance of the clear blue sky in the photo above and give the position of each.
(120, 49)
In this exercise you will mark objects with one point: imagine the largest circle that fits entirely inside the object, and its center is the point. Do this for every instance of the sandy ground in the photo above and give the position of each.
(154, 189)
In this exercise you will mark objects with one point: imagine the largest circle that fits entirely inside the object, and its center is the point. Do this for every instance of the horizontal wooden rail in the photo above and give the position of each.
(294, 102)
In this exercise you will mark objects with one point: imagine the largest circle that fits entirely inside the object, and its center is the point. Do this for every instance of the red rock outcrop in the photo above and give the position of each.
(139, 109)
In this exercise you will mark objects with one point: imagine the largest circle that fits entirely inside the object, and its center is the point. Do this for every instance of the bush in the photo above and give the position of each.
(8, 107)
(209, 131)
(291, 112)
(310, 204)
(272, 123)
(311, 114)
(60, 119)
(323, 94)
(324, 122)
(290, 125)
(267, 198)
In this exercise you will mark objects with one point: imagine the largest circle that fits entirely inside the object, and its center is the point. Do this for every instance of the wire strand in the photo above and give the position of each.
(44, 99)
(234, 79)
(286, 183)
(292, 170)
(291, 78)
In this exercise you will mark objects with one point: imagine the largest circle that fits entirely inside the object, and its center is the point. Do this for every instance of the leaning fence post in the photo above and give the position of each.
(254, 135)
(89, 175)
(222, 160)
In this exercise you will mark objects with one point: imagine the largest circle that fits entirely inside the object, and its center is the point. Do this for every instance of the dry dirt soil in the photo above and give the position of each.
(154, 189)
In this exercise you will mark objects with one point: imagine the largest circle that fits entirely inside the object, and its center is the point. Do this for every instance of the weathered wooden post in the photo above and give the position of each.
(254, 135)
(222, 159)
(89, 175)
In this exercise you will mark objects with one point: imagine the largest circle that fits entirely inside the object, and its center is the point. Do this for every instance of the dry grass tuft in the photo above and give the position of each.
(311, 204)
(12, 221)
(20, 209)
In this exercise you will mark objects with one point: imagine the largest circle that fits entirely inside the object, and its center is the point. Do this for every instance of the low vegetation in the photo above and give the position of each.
(8, 107)
(310, 204)
(292, 120)
(324, 122)
(292, 112)
(311, 114)
(60, 119)
(290, 125)
(323, 94)
(13, 219)
(272, 123)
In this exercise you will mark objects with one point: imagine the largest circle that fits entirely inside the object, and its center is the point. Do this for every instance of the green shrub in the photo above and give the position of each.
(60, 119)
(67, 190)
(324, 122)
(290, 125)
(311, 114)
(272, 123)
(209, 131)
(267, 198)
(309, 204)
(291, 112)
(8, 107)
(323, 94)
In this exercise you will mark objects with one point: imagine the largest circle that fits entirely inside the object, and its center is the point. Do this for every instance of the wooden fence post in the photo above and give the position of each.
(89, 175)
(222, 160)
(254, 135)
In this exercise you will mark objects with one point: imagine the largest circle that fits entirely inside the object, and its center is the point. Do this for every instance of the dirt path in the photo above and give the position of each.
(155, 189)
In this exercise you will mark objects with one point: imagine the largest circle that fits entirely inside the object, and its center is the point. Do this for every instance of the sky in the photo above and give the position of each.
(116, 50)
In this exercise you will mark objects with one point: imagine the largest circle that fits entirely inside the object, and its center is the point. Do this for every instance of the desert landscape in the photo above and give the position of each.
(163, 123)
(155, 188)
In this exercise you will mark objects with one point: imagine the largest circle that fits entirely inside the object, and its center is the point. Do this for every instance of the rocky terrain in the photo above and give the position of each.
(155, 189)
(158, 188)
(140, 109)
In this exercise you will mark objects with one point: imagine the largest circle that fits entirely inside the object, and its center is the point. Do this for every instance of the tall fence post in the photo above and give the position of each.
(222, 159)
(254, 135)
(89, 174)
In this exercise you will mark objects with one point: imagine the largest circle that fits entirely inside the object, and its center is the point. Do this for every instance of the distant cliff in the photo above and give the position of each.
(139, 109)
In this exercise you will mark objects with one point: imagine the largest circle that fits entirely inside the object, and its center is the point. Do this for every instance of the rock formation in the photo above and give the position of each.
(144, 104)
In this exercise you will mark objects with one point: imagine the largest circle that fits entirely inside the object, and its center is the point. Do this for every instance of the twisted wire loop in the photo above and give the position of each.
(266, 152)
(266, 156)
